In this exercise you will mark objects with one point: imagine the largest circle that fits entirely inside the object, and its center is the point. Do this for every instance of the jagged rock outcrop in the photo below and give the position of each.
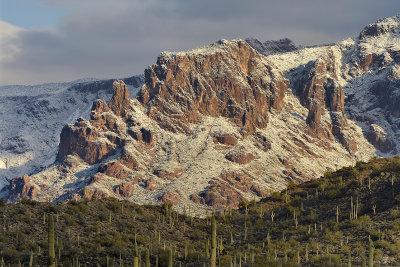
(228, 79)
(90, 140)
(170, 197)
(381, 27)
(82, 139)
(225, 139)
(114, 169)
(20, 187)
(320, 90)
(378, 137)
(121, 98)
(239, 155)
(125, 189)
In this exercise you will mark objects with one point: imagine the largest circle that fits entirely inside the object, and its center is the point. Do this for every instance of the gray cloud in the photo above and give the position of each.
(122, 37)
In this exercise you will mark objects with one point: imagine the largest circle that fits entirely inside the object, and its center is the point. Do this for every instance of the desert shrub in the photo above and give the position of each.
(396, 225)
(27, 201)
(332, 237)
(333, 193)
(394, 213)
(291, 185)
(276, 195)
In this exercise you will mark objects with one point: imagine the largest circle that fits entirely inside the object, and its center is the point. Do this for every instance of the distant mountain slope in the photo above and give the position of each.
(273, 47)
(31, 118)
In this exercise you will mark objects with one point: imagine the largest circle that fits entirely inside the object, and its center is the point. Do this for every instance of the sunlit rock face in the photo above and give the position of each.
(219, 125)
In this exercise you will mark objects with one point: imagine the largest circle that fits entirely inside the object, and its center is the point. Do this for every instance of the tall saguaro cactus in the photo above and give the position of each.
(213, 262)
(52, 253)
(371, 254)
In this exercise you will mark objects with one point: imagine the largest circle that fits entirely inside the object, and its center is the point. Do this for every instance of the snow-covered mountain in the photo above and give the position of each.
(31, 119)
(226, 123)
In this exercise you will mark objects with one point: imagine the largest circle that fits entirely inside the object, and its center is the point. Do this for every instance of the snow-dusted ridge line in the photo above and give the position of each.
(366, 68)
(32, 118)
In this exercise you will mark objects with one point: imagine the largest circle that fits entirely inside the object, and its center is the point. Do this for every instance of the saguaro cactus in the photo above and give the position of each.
(52, 253)
(371, 254)
(170, 258)
(213, 261)
(147, 263)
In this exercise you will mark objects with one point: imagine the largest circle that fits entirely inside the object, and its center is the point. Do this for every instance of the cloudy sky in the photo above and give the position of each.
(63, 40)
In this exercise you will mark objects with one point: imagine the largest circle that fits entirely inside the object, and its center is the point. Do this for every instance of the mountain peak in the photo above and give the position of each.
(227, 78)
(381, 27)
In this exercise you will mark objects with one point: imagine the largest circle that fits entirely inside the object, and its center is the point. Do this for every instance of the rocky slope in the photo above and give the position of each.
(223, 124)
(33, 116)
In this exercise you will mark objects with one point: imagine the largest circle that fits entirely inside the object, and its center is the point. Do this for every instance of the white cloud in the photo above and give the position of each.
(9, 45)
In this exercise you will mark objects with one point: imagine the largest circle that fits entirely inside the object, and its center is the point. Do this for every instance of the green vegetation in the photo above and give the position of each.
(346, 218)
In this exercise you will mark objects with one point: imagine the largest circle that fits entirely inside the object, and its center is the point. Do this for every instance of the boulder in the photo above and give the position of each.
(378, 137)
(125, 189)
(170, 197)
(114, 169)
(240, 156)
(225, 139)
(20, 188)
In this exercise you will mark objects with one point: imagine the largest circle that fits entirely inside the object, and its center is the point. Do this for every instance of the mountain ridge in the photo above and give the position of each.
(256, 122)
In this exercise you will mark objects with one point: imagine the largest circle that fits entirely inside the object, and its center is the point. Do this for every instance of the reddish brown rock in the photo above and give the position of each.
(104, 122)
(240, 156)
(150, 184)
(180, 88)
(129, 161)
(125, 189)
(378, 137)
(366, 62)
(96, 178)
(171, 197)
(81, 139)
(196, 199)
(227, 190)
(319, 89)
(99, 106)
(225, 139)
(334, 96)
(262, 142)
(142, 135)
(220, 196)
(349, 143)
(168, 174)
(120, 100)
(20, 188)
(91, 193)
(69, 164)
(114, 169)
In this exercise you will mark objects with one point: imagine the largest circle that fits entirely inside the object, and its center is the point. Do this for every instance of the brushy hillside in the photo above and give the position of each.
(348, 215)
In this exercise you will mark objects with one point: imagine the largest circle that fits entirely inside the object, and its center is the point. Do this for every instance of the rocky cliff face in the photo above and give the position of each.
(228, 79)
(223, 124)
